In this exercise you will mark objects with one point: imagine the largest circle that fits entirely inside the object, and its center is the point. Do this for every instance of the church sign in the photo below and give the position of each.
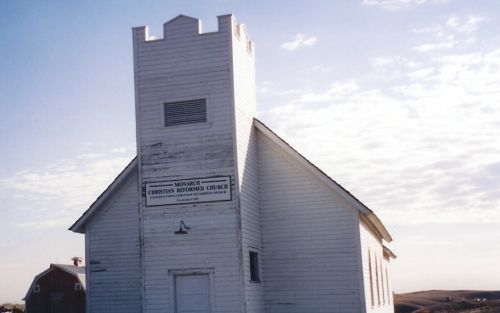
(187, 191)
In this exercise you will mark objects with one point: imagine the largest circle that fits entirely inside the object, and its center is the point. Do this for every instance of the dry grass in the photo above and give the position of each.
(444, 301)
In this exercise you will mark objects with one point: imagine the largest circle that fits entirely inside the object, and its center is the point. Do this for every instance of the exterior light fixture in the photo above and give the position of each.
(182, 229)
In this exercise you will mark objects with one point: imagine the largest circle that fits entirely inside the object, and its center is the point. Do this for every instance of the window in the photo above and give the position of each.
(376, 275)
(254, 266)
(387, 282)
(185, 112)
(382, 281)
(371, 278)
(78, 286)
(36, 288)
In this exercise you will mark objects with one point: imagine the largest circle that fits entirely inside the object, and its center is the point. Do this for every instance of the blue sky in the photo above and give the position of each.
(398, 100)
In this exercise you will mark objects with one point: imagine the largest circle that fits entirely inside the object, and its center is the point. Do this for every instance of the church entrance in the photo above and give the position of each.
(192, 293)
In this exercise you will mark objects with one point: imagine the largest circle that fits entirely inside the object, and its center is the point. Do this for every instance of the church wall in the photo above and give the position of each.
(310, 254)
(378, 294)
(311, 240)
(113, 259)
(247, 163)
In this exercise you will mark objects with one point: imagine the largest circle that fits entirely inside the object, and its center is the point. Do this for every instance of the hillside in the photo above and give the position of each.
(445, 301)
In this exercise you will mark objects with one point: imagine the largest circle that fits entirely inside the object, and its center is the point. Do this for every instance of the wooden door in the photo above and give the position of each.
(192, 293)
(56, 302)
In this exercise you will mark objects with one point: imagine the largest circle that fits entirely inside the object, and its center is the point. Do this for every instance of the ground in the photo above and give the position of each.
(444, 301)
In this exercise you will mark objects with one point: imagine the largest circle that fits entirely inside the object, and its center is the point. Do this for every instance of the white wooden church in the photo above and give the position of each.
(217, 213)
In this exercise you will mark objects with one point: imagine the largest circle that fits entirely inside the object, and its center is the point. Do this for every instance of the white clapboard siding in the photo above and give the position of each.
(372, 250)
(309, 239)
(315, 241)
(186, 65)
(245, 109)
(386, 269)
(113, 264)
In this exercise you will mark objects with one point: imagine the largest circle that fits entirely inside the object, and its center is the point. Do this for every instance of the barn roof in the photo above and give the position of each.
(79, 225)
(77, 271)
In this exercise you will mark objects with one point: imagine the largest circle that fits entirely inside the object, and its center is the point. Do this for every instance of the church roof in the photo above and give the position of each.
(79, 225)
(388, 252)
(336, 187)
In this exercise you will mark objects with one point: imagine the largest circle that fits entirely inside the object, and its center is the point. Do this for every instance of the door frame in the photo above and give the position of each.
(172, 274)
(56, 302)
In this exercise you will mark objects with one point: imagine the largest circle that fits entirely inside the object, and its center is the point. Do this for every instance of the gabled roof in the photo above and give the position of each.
(336, 187)
(388, 252)
(79, 225)
(77, 271)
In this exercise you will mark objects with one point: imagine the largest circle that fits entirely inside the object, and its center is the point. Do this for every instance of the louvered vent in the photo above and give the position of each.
(185, 112)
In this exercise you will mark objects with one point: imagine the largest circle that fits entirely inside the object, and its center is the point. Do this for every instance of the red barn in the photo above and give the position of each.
(59, 289)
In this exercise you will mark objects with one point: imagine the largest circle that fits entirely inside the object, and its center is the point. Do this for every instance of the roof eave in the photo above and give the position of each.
(35, 279)
(344, 193)
(377, 223)
(389, 253)
(79, 225)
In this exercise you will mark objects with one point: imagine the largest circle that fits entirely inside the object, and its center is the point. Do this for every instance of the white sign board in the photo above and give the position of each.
(186, 191)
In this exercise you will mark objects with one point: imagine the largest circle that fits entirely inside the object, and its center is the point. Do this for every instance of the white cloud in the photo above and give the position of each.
(397, 60)
(319, 69)
(435, 46)
(398, 4)
(450, 34)
(438, 31)
(90, 156)
(315, 97)
(336, 91)
(59, 192)
(467, 25)
(421, 73)
(382, 61)
(267, 88)
(300, 40)
(423, 150)
(47, 223)
(454, 24)
(130, 149)
(470, 40)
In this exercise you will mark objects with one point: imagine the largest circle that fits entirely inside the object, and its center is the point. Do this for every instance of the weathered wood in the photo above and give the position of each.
(113, 263)
(312, 237)
(183, 66)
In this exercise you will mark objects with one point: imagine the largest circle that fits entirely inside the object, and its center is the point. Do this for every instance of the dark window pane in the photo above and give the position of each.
(254, 266)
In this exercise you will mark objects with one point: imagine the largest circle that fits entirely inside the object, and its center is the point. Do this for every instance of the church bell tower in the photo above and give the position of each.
(195, 104)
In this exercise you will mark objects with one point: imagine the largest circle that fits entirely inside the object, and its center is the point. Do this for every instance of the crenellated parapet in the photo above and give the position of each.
(185, 27)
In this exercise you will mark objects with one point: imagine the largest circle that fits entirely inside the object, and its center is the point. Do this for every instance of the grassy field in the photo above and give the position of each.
(443, 301)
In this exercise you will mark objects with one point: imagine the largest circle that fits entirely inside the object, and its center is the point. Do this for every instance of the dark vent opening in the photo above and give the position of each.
(185, 112)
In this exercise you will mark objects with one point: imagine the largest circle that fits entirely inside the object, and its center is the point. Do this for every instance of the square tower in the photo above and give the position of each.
(183, 227)
(195, 104)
